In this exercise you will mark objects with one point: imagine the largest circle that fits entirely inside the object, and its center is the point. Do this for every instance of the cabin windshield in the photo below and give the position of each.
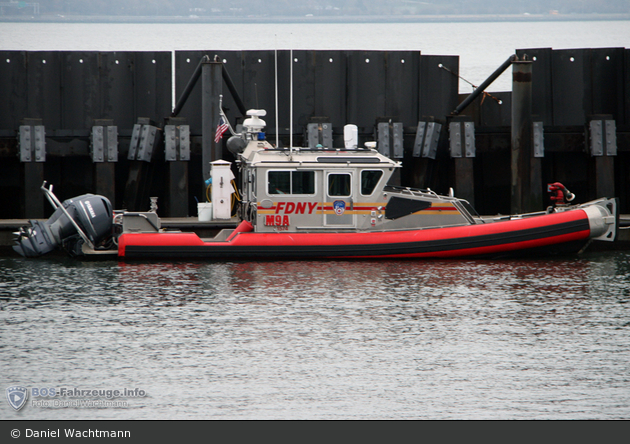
(369, 180)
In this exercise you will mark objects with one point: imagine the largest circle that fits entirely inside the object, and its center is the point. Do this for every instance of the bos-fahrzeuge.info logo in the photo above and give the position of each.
(17, 396)
(55, 397)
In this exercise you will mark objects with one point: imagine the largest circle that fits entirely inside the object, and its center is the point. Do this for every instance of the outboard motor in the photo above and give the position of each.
(83, 219)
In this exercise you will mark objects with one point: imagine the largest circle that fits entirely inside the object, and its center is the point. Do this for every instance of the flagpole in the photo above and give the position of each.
(224, 123)
(222, 114)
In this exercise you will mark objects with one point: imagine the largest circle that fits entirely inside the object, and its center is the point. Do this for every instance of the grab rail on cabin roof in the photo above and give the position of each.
(412, 191)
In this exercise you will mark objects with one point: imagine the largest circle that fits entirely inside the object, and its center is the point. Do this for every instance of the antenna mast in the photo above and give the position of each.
(291, 105)
(276, 73)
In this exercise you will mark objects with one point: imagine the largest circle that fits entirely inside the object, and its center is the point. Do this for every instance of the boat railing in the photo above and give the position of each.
(465, 211)
(411, 191)
(321, 150)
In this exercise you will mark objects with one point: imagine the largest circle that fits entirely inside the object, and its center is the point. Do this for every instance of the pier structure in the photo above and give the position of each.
(135, 125)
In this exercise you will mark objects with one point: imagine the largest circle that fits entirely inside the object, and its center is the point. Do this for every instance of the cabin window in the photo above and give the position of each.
(279, 182)
(302, 182)
(339, 185)
(369, 180)
(291, 182)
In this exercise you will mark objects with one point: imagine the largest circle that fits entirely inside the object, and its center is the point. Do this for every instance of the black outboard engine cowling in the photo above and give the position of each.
(92, 213)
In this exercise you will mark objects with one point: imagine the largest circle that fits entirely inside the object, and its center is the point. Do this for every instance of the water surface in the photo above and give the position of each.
(323, 340)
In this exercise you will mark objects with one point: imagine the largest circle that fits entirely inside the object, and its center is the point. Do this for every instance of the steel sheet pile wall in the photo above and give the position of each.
(582, 85)
(570, 88)
(69, 93)
(69, 90)
(344, 86)
(338, 87)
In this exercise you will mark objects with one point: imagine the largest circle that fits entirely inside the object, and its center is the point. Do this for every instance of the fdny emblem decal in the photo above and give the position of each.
(339, 206)
(16, 396)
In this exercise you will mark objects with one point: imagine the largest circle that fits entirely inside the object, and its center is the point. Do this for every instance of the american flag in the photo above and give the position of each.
(221, 128)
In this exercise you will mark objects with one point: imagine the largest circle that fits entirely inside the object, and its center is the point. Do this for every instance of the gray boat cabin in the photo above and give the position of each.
(326, 189)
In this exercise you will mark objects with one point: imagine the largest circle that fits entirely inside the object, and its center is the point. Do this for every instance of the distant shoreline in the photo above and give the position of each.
(315, 19)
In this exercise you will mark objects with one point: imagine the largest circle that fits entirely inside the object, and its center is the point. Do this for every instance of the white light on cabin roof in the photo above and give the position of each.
(257, 112)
